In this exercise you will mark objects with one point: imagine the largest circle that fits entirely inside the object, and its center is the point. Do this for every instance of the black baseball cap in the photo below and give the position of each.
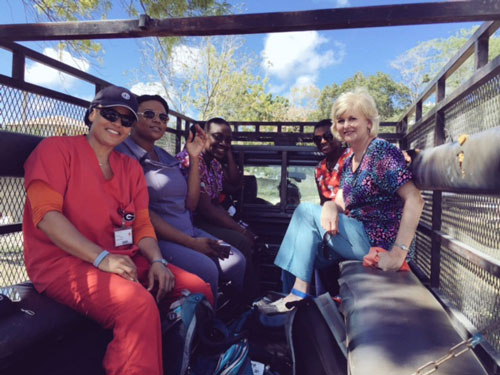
(113, 96)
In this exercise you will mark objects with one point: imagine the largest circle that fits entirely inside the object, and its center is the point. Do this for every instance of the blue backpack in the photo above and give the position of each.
(223, 349)
(196, 343)
(179, 330)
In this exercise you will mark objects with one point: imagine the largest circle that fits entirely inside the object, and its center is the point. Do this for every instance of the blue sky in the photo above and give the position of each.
(318, 58)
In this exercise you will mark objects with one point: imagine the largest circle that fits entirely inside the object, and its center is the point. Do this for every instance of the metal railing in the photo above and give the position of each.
(458, 240)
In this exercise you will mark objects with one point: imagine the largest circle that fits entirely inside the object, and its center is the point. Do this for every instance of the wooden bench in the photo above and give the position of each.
(394, 324)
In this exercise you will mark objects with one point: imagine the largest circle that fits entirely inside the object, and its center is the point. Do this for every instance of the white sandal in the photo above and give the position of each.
(277, 307)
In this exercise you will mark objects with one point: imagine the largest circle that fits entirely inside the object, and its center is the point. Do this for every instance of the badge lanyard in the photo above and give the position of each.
(123, 234)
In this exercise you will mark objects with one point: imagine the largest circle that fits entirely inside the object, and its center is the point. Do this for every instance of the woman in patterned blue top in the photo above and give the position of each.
(377, 206)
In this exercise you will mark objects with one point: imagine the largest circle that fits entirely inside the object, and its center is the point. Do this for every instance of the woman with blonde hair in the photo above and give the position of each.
(377, 204)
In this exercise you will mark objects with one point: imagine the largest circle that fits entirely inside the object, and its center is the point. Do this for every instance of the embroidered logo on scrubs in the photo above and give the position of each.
(128, 216)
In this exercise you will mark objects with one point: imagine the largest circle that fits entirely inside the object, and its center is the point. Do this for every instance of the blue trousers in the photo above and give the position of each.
(298, 251)
(209, 269)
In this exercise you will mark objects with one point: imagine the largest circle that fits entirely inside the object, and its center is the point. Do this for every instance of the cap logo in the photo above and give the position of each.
(125, 95)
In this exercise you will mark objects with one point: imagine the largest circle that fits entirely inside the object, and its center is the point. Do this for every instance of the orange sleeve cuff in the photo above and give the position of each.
(43, 199)
(142, 226)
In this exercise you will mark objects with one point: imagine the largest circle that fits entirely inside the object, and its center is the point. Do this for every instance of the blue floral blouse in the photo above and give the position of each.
(370, 193)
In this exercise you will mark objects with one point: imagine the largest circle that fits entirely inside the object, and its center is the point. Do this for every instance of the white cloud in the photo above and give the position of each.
(305, 81)
(277, 89)
(184, 59)
(342, 3)
(149, 88)
(290, 55)
(43, 75)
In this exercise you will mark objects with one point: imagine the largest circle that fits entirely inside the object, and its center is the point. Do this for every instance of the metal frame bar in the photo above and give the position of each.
(482, 75)
(323, 19)
(39, 90)
(11, 228)
(484, 32)
(19, 50)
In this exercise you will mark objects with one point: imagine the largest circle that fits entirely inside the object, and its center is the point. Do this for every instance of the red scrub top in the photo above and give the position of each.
(94, 205)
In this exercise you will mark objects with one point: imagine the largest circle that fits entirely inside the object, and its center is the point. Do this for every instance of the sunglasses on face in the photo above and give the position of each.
(328, 136)
(219, 137)
(149, 114)
(112, 116)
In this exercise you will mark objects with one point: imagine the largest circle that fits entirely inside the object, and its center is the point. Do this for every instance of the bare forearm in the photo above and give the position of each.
(217, 215)
(167, 232)
(193, 194)
(413, 204)
(322, 199)
(233, 175)
(409, 221)
(65, 236)
(149, 248)
(339, 201)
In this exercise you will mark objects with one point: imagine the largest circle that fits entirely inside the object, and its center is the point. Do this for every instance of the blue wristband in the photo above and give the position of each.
(100, 258)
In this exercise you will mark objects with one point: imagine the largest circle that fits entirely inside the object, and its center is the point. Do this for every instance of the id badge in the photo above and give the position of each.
(123, 236)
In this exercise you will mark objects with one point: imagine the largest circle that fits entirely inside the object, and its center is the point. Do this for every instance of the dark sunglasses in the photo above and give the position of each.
(328, 136)
(149, 114)
(112, 116)
(219, 137)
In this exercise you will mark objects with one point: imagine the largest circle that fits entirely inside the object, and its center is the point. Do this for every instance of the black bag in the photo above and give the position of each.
(315, 333)
(7, 307)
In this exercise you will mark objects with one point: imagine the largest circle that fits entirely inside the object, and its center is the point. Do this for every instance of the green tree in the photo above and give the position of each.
(326, 99)
(212, 76)
(225, 86)
(391, 97)
(420, 64)
(303, 103)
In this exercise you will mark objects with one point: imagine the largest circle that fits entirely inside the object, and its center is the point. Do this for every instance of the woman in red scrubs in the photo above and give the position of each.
(89, 242)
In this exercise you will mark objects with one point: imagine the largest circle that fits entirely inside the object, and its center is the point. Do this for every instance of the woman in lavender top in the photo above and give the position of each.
(173, 197)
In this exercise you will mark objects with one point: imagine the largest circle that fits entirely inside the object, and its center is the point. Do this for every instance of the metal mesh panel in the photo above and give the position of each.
(25, 112)
(423, 253)
(423, 136)
(426, 217)
(28, 113)
(478, 111)
(11, 200)
(167, 142)
(12, 269)
(479, 300)
(474, 220)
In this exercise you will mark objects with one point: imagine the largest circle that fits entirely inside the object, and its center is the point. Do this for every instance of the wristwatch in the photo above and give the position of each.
(162, 261)
(402, 247)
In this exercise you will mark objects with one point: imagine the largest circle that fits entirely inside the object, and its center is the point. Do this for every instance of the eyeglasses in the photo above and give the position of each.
(112, 116)
(328, 136)
(149, 114)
